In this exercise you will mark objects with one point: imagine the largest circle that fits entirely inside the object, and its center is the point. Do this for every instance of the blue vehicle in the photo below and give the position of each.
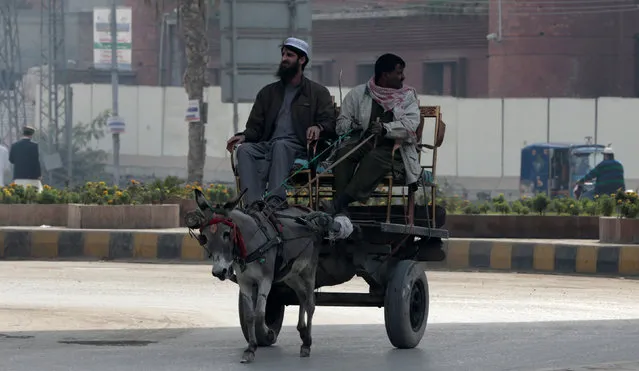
(554, 168)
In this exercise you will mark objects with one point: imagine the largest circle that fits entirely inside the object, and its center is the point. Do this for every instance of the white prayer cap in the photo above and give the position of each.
(296, 43)
(608, 151)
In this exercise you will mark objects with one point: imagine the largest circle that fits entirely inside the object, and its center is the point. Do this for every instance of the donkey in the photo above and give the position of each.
(257, 246)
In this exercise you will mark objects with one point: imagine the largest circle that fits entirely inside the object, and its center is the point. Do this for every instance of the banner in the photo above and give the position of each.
(102, 37)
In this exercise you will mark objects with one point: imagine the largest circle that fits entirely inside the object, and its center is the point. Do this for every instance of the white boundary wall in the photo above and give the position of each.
(483, 137)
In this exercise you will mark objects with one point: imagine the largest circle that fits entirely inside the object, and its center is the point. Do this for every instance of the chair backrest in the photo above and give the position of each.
(440, 126)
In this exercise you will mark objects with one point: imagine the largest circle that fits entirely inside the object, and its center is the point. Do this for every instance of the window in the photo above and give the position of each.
(365, 72)
(637, 65)
(442, 78)
(434, 79)
(177, 58)
(317, 72)
(214, 77)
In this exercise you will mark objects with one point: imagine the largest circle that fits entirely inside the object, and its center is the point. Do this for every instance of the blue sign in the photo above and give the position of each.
(116, 124)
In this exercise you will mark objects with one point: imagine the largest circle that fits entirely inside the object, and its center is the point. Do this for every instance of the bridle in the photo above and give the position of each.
(241, 255)
(236, 236)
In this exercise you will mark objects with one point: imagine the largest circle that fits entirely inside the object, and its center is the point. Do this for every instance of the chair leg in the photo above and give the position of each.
(404, 195)
(237, 188)
(389, 199)
(411, 208)
(317, 194)
(310, 192)
(433, 192)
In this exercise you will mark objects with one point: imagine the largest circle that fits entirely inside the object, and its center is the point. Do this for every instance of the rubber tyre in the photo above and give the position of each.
(274, 320)
(406, 311)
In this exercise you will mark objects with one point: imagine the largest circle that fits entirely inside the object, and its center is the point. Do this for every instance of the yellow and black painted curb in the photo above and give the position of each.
(562, 256)
(50, 243)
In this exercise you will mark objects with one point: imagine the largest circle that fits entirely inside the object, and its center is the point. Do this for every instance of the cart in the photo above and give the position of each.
(387, 248)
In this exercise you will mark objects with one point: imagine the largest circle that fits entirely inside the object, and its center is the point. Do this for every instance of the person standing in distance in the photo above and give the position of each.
(286, 115)
(25, 157)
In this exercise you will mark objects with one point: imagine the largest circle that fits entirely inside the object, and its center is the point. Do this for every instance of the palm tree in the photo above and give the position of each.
(192, 16)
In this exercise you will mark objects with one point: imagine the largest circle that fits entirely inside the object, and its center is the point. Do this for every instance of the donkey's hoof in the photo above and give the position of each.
(271, 336)
(305, 351)
(248, 356)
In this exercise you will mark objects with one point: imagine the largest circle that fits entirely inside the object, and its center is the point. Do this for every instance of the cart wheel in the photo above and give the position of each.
(406, 305)
(274, 319)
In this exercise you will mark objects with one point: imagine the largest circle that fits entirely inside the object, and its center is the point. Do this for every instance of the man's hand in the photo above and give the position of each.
(378, 129)
(313, 133)
(235, 140)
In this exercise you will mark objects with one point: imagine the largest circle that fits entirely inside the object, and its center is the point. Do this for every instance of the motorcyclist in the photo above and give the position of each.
(608, 174)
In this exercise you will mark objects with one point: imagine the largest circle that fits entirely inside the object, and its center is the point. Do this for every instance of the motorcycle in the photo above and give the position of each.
(584, 190)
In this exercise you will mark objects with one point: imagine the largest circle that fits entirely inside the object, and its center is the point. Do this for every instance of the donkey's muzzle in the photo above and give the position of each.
(223, 274)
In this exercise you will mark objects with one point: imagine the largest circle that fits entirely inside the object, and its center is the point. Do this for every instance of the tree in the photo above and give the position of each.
(88, 163)
(192, 16)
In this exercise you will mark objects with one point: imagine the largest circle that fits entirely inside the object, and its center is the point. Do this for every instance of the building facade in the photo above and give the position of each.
(569, 49)
(536, 50)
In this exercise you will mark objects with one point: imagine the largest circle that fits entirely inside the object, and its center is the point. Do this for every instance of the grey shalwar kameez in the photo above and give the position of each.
(275, 134)
(268, 164)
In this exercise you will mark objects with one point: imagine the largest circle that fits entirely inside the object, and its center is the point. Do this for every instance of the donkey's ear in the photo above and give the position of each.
(233, 203)
(201, 200)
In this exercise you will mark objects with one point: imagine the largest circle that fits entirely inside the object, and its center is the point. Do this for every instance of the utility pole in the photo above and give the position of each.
(236, 116)
(12, 108)
(113, 120)
(54, 108)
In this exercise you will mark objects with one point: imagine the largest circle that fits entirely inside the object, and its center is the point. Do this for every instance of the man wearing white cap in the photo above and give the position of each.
(285, 116)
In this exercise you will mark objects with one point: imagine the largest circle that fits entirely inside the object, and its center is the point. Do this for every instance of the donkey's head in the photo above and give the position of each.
(219, 234)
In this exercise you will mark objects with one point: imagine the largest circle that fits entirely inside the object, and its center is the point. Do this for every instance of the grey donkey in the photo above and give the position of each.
(257, 246)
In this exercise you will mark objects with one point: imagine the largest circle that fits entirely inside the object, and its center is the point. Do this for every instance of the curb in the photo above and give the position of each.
(542, 256)
(509, 255)
(53, 243)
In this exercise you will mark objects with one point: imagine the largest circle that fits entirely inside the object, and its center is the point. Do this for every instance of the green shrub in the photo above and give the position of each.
(606, 205)
(471, 209)
(540, 203)
(99, 193)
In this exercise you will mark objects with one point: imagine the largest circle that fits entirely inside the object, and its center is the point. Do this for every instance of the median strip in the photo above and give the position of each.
(513, 255)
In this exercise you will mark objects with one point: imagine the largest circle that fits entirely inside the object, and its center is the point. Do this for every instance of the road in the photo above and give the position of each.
(124, 316)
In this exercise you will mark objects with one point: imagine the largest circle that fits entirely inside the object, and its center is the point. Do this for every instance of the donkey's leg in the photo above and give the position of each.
(301, 323)
(303, 283)
(299, 286)
(246, 292)
(263, 289)
(307, 282)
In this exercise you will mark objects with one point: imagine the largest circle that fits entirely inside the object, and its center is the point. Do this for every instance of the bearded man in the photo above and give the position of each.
(285, 116)
(382, 107)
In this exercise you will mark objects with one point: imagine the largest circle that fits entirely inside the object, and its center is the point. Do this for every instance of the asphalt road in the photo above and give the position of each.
(118, 316)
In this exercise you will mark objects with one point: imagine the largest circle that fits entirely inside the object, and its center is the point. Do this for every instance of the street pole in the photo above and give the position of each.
(236, 116)
(499, 15)
(114, 89)
(68, 131)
